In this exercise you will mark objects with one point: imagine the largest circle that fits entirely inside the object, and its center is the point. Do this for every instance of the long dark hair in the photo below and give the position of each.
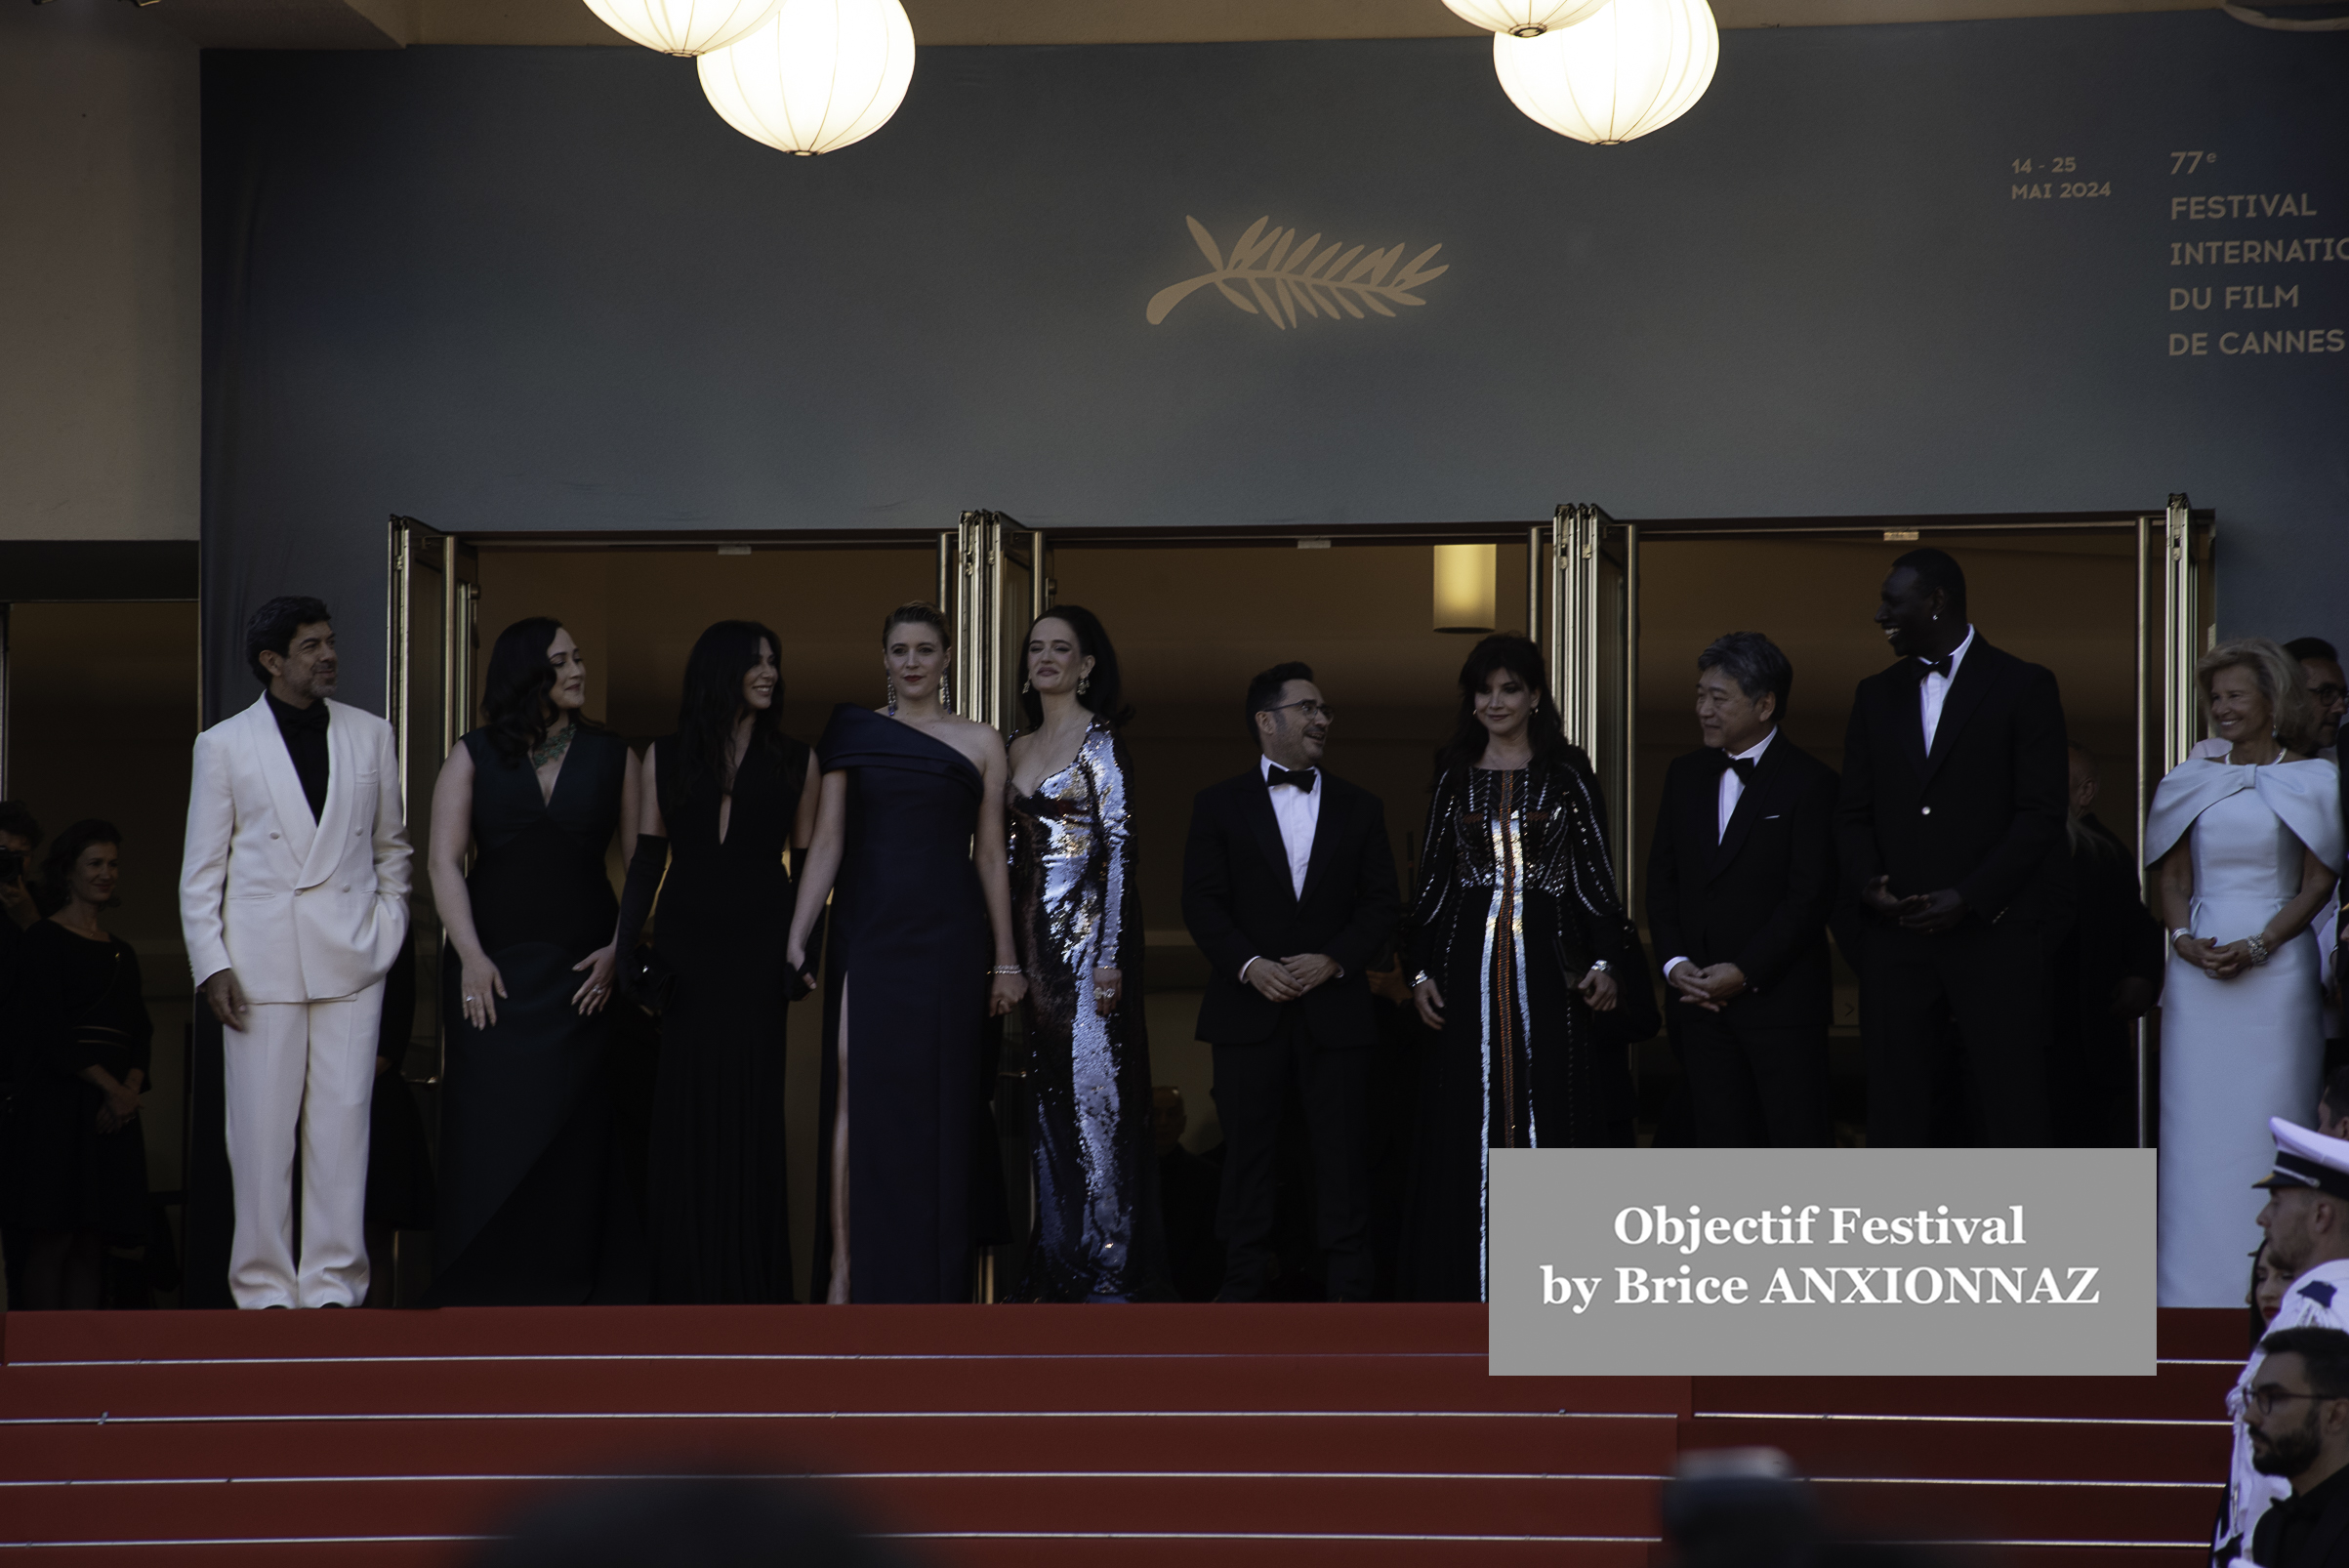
(1104, 692)
(713, 701)
(1546, 728)
(515, 707)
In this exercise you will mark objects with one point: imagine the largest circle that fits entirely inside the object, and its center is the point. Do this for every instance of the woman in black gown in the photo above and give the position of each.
(909, 843)
(527, 1214)
(732, 796)
(1521, 946)
(1075, 917)
(75, 1153)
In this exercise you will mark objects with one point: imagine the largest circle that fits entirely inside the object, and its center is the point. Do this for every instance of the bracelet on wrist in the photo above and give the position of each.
(2184, 933)
(2257, 943)
(1420, 980)
(1006, 968)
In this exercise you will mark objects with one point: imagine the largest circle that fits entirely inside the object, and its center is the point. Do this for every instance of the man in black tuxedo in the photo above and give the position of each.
(1741, 878)
(1951, 828)
(1289, 889)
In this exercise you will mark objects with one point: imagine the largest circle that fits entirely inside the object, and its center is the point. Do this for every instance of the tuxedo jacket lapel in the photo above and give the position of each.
(1317, 858)
(277, 767)
(1965, 694)
(1257, 805)
(1749, 806)
(1909, 714)
(325, 849)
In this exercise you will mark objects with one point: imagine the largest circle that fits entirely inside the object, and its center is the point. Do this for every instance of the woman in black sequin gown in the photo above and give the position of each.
(1515, 887)
(732, 793)
(1076, 919)
(526, 1213)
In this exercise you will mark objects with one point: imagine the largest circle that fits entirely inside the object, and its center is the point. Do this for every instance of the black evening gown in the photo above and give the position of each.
(721, 1219)
(77, 1004)
(527, 1214)
(1514, 866)
(909, 957)
(1074, 910)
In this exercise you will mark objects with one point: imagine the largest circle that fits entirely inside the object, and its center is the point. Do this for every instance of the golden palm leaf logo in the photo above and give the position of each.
(1284, 276)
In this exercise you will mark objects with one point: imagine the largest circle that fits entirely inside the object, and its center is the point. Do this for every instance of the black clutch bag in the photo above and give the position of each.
(645, 978)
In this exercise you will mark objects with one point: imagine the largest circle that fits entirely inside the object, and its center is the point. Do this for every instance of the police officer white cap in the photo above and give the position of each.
(2307, 1159)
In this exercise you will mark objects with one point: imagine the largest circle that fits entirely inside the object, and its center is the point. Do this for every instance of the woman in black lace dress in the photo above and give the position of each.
(1077, 921)
(74, 1151)
(1521, 946)
(731, 796)
(527, 1215)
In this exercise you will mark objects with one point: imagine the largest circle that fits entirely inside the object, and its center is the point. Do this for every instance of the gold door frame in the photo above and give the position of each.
(1582, 593)
(994, 579)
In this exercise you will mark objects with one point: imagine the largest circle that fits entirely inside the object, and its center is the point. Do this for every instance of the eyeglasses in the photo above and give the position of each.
(2268, 1395)
(1313, 710)
(2327, 695)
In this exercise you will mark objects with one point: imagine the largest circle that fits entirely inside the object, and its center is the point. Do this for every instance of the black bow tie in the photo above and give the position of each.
(1302, 778)
(1742, 766)
(1941, 667)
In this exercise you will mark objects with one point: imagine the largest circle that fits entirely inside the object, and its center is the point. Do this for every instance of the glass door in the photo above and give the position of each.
(434, 586)
(994, 579)
(2176, 625)
(1584, 599)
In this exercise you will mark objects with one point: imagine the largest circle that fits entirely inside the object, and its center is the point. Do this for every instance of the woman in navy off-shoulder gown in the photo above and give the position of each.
(908, 845)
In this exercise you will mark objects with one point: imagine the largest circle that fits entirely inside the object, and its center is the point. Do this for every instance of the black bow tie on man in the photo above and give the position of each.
(1742, 766)
(1941, 667)
(1276, 776)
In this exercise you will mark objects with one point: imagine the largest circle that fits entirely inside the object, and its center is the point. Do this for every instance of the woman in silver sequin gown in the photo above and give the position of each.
(1516, 896)
(1075, 923)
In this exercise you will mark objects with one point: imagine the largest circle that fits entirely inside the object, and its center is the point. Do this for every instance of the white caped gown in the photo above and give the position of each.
(2234, 1052)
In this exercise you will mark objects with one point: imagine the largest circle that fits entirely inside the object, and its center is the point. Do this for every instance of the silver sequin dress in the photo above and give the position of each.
(1074, 910)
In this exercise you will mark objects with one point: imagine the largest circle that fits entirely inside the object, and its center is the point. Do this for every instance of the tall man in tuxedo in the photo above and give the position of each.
(1289, 889)
(294, 900)
(1741, 878)
(1951, 828)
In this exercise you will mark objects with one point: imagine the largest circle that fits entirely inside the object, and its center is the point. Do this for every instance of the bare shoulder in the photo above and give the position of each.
(981, 743)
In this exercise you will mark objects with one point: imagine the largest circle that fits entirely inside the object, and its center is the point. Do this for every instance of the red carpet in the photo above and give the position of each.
(1040, 1435)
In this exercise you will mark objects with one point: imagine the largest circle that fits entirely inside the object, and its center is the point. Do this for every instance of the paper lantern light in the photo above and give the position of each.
(819, 75)
(1464, 595)
(1633, 67)
(684, 27)
(1524, 19)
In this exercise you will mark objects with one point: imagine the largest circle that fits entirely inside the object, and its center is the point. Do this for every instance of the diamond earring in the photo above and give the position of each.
(892, 681)
(1024, 687)
(945, 696)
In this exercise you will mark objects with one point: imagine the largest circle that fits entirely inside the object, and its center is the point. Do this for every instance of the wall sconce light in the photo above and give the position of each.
(1463, 586)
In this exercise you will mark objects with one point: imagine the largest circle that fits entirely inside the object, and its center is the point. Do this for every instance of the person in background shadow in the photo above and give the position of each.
(1741, 878)
(537, 795)
(1523, 957)
(1289, 889)
(1187, 1187)
(708, 1521)
(1949, 828)
(2105, 972)
(402, 1194)
(19, 837)
(723, 801)
(294, 902)
(2300, 1424)
(75, 1152)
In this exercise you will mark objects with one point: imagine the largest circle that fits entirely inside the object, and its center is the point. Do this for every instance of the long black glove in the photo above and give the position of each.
(644, 981)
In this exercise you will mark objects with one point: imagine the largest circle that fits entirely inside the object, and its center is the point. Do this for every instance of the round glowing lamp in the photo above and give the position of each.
(684, 27)
(819, 75)
(1634, 67)
(1524, 19)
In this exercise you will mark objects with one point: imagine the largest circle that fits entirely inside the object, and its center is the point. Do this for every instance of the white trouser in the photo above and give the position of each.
(303, 1069)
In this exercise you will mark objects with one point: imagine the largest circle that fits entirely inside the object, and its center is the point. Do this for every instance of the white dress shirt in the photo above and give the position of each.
(1299, 812)
(1934, 690)
(1733, 790)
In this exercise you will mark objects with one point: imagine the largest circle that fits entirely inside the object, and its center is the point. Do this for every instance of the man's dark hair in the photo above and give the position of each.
(2312, 647)
(272, 626)
(1937, 570)
(1753, 662)
(16, 819)
(712, 1521)
(2324, 1351)
(1264, 689)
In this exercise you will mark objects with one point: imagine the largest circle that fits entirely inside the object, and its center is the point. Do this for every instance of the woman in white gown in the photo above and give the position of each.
(2244, 852)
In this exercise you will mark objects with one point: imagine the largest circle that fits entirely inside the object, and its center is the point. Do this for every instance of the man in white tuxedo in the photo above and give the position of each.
(294, 900)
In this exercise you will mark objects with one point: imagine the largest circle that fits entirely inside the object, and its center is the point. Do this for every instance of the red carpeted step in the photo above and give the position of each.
(1093, 1502)
(1554, 1444)
(1968, 1451)
(2182, 1391)
(1128, 1549)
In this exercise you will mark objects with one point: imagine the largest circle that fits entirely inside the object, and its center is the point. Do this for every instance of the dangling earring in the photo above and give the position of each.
(945, 696)
(1024, 687)
(892, 681)
(1084, 682)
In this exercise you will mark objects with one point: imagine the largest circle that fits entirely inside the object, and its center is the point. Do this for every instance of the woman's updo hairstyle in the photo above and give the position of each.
(918, 612)
(2293, 711)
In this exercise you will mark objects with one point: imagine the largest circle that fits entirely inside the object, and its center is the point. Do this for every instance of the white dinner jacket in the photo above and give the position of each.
(303, 911)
